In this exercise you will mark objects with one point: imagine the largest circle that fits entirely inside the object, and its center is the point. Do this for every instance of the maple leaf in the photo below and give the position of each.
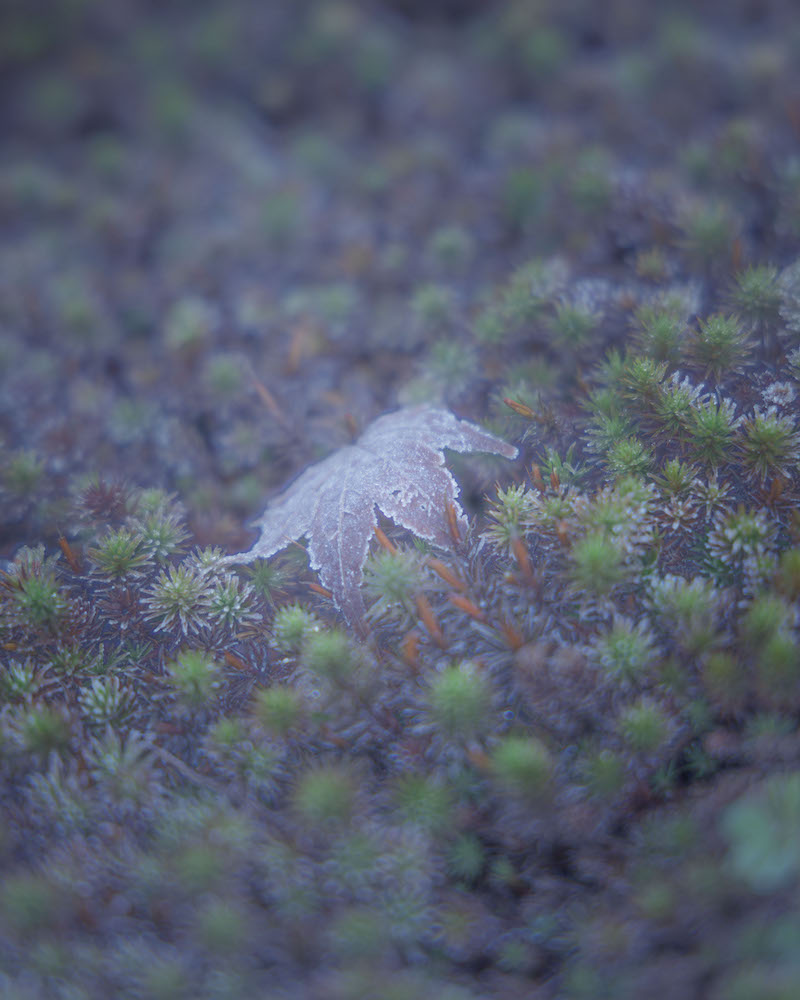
(396, 466)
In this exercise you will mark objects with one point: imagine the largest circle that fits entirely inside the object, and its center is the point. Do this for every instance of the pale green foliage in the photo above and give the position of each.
(757, 295)
(712, 431)
(626, 650)
(179, 598)
(660, 330)
(720, 346)
(230, 602)
(761, 829)
(36, 595)
(770, 444)
(291, 625)
(643, 726)
(459, 701)
(278, 709)
(329, 654)
(597, 564)
(119, 553)
(620, 514)
(688, 610)
(160, 531)
(194, 675)
(510, 515)
(18, 680)
(393, 580)
(106, 701)
(522, 766)
(325, 796)
(629, 457)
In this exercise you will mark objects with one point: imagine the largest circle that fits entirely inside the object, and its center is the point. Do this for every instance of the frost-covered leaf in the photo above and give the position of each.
(396, 466)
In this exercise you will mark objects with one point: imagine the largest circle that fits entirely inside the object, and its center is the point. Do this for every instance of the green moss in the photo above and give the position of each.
(329, 654)
(325, 797)
(572, 326)
(708, 235)
(119, 554)
(727, 683)
(676, 478)
(603, 773)
(777, 672)
(770, 445)
(688, 610)
(756, 295)
(761, 830)
(230, 603)
(659, 331)
(788, 574)
(651, 265)
(194, 675)
(629, 457)
(626, 651)
(106, 701)
(43, 730)
(393, 580)
(522, 198)
(190, 323)
(433, 305)
(18, 681)
(712, 431)
(719, 346)
(30, 903)
(644, 726)
(597, 564)
(459, 702)
(510, 514)
(466, 858)
(360, 933)
(643, 379)
(765, 618)
(451, 246)
(291, 626)
(23, 473)
(424, 802)
(39, 599)
(179, 599)
(266, 578)
(221, 927)
(281, 216)
(278, 709)
(523, 766)
(591, 184)
(247, 799)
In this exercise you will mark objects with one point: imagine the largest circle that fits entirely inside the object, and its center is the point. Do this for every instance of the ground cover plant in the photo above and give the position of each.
(537, 736)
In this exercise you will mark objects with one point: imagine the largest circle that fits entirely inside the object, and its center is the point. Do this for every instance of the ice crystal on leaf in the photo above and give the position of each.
(397, 466)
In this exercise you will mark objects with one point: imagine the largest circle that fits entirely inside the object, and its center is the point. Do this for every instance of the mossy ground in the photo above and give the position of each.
(565, 762)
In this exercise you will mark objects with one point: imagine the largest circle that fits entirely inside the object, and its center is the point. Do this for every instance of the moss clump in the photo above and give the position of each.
(459, 702)
(523, 767)
(193, 674)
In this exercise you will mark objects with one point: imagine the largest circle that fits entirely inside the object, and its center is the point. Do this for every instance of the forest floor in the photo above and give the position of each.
(565, 762)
